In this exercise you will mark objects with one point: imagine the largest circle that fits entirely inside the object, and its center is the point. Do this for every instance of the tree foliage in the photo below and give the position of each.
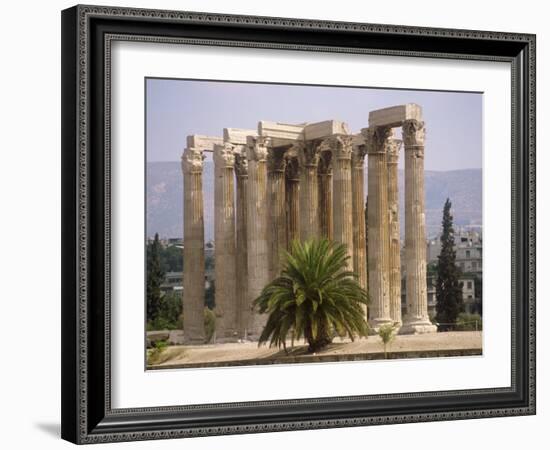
(315, 297)
(447, 290)
(155, 277)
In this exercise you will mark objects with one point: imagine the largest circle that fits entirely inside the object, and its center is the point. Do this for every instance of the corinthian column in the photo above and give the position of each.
(276, 163)
(378, 258)
(416, 319)
(308, 156)
(241, 171)
(193, 246)
(359, 231)
(292, 194)
(395, 241)
(224, 236)
(325, 195)
(257, 237)
(341, 146)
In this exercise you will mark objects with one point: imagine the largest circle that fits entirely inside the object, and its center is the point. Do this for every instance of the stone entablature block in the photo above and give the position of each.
(394, 116)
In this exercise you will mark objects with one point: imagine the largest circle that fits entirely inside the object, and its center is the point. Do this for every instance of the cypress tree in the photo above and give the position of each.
(447, 290)
(155, 277)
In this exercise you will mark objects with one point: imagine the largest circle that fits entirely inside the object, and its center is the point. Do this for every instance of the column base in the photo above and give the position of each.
(418, 327)
(375, 324)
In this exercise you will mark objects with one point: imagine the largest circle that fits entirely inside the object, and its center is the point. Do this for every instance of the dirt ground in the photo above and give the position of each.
(436, 344)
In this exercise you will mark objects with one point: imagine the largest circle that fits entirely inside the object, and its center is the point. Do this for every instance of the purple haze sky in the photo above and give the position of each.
(177, 108)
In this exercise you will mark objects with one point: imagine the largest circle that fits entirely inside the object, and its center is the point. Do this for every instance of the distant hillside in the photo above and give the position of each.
(165, 201)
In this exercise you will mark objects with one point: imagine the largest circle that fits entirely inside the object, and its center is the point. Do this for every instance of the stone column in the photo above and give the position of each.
(276, 163)
(325, 195)
(416, 320)
(378, 258)
(224, 237)
(241, 172)
(193, 246)
(308, 155)
(292, 194)
(257, 236)
(359, 228)
(341, 146)
(395, 238)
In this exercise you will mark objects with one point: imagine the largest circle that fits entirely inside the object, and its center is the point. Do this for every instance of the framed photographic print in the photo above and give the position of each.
(280, 224)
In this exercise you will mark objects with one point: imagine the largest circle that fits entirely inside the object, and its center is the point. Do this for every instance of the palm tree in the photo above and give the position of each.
(314, 298)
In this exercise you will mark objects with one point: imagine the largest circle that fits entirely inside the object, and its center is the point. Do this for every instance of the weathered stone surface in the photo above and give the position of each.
(279, 130)
(321, 130)
(394, 116)
(203, 142)
(237, 136)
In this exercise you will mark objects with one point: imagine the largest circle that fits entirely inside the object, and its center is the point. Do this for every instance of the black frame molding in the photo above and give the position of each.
(87, 32)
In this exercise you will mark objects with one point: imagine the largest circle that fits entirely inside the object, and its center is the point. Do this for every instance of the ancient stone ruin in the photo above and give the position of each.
(298, 182)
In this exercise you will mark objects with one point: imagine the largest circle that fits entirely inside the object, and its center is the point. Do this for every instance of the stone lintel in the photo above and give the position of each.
(394, 116)
(324, 129)
(237, 136)
(281, 130)
(203, 142)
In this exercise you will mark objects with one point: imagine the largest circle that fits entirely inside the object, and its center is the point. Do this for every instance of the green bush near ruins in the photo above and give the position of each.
(315, 298)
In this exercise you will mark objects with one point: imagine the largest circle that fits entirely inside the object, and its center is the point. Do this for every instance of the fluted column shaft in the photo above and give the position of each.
(308, 155)
(241, 171)
(193, 247)
(325, 195)
(224, 236)
(394, 238)
(343, 200)
(359, 228)
(257, 236)
(416, 320)
(276, 163)
(292, 199)
(378, 256)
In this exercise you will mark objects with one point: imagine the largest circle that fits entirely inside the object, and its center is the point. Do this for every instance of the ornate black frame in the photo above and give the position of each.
(87, 416)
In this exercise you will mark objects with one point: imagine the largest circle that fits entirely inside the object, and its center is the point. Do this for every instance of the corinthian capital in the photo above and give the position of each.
(292, 167)
(341, 145)
(392, 148)
(414, 133)
(192, 160)
(241, 163)
(257, 147)
(358, 155)
(376, 138)
(308, 153)
(224, 155)
(276, 160)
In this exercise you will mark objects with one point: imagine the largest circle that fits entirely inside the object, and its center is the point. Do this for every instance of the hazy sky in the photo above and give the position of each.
(177, 108)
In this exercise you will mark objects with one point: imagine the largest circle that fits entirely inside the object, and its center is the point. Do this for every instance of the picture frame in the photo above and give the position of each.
(87, 364)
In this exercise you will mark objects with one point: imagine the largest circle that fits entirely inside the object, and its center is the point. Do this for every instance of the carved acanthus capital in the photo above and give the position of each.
(257, 147)
(292, 171)
(392, 149)
(224, 155)
(192, 160)
(341, 145)
(308, 153)
(241, 164)
(276, 161)
(376, 138)
(325, 163)
(414, 133)
(358, 155)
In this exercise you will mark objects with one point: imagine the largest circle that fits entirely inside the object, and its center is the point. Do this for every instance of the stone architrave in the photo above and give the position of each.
(225, 252)
(276, 163)
(376, 139)
(292, 197)
(416, 320)
(308, 155)
(193, 246)
(395, 240)
(257, 230)
(341, 146)
(359, 226)
(241, 172)
(325, 195)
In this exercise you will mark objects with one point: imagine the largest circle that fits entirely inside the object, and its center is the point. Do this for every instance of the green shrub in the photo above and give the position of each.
(209, 324)
(469, 322)
(387, 334)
